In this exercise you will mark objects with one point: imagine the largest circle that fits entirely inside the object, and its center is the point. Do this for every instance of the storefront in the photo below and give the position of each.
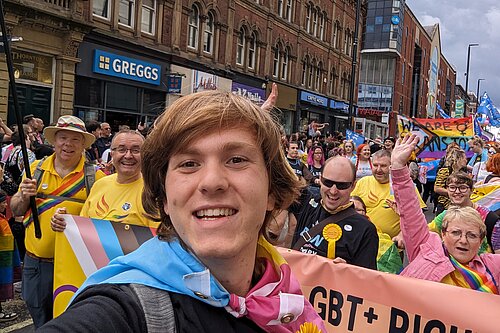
(118, 87)
(193, 80)
(286, 106)
(339, 116)
(372, 123)
(312, 107)
(34, 84)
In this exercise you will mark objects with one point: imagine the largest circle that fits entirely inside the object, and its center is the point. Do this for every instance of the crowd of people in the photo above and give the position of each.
(223, 184)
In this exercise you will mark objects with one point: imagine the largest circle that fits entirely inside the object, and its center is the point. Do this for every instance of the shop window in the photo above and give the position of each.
(101, 8)
(122, 97)
(148, 16)
(208, 36)
(153, 102)
(193, 28)
(240, 47)
(379, 20)
(252, 49)
(126, 12)
(89, 92)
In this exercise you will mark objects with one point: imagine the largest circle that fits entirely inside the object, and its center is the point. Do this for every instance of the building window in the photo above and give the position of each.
(317, 84)
(126, 12)
(240, 47)
(310, 81)
(314, 22)
(308, 18)
(321, 26)
(148, 16)
(304, 72)
(101, 8)
(252, 47)
(284, 65)
(288, 11)
(346, 41)
(193, 29)
(208, 35)
(280, 8)
(335, 33)
(332, 81)
(276, 61)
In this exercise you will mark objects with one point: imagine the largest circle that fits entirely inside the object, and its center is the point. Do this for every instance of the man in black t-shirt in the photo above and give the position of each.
(357, 239)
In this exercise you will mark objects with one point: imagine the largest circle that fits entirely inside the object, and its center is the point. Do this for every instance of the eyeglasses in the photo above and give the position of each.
(469, 235)
(491, 152)
(320, 153)
(124, 150)
(461, 189)
(339, 185)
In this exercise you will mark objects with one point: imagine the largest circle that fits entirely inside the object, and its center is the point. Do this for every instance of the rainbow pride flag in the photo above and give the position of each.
(87, 245)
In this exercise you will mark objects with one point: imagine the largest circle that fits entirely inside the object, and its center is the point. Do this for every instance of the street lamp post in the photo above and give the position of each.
(350, 124)
(467, 73)
(477, 92)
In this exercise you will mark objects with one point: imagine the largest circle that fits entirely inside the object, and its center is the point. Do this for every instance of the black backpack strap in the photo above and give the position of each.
(157, 307)
(37, 175)
(89, 174)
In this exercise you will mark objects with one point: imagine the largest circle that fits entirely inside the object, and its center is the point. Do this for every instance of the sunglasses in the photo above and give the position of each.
(339, 185)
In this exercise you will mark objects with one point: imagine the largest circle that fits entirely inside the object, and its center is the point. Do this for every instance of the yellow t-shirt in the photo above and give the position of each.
(109, 200)
(374, 195)
(44, 247)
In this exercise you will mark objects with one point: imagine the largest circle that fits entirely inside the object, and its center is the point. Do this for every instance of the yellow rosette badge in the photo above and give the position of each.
(332, 233)
(308, 328)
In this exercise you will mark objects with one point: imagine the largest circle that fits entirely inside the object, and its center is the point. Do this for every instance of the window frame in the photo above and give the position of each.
(153, 17)
(193, 28)
(208, 34)
(252, 51)
(131, 10)
(108, 9)
(240, 47)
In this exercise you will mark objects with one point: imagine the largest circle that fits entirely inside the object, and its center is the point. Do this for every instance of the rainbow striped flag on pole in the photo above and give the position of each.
(87, 245)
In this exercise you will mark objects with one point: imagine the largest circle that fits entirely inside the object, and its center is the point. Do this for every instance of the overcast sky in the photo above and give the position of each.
(463, 22)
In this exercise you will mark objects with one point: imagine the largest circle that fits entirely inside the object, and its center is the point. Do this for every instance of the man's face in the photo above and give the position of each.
(97, 133)
(106, 130)
(476, 148)
(388, 144)
(293, 151)
(126, 155)
(338, 170)
(380, 169)
(39, 124)
(69, 146)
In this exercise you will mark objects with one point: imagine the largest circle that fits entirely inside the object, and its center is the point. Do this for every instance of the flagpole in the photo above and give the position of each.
(22, 136)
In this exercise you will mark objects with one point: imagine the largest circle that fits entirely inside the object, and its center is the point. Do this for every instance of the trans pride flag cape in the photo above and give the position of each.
(487, 195)
(86, 246)
(168, 266)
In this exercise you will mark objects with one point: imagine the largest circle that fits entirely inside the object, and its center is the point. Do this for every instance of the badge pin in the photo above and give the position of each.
(348, 227)
(126, 206)
(45, 186)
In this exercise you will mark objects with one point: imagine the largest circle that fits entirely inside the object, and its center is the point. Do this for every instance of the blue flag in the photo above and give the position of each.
(477, 128)
(487, 108)
(358, 139)
(442, 113)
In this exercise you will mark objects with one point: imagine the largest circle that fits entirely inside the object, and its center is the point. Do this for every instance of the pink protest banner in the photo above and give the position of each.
(354, 299)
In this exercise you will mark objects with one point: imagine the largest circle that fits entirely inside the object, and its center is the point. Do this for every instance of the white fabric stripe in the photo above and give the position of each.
(82, 254)
(289, 304)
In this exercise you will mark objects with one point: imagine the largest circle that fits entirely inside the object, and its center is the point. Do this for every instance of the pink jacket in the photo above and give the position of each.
(425, 248)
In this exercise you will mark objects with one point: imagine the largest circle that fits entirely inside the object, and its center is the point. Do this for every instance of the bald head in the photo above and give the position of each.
(337, 163)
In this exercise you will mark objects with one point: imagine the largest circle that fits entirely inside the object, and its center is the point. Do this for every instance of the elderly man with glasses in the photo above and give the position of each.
(118, 197)
(328, 225)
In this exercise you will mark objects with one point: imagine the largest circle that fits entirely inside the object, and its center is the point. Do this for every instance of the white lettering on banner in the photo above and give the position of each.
(254, 97)
(133, 69)
(314, 99)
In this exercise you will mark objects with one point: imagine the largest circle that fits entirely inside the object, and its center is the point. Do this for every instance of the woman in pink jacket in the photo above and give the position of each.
(452, 260)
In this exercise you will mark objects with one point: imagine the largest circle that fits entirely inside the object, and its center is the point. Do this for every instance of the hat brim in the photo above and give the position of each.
(50, 135)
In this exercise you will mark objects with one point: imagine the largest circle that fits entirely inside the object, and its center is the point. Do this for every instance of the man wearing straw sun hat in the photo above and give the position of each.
(59, 181)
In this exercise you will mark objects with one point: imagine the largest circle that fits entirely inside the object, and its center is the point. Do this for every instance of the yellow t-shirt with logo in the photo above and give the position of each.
(50, 181)
(110, 200)
(374, 195)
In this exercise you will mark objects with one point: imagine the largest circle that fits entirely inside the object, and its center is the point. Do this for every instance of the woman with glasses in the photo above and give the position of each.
(459, 186)
(453, 259)
(315, 161)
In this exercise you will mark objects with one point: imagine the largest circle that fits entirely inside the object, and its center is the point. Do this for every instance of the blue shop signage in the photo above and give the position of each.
(340, 106)
(126, 68)
(313, 99)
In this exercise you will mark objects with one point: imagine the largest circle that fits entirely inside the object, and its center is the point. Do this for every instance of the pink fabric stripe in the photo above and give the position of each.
(91, 239)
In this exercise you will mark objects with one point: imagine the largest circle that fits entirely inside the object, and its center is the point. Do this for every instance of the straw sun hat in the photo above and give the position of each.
(68, 123)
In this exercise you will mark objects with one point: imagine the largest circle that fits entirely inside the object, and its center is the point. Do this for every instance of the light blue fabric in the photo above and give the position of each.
(484, 157)
(162, 265)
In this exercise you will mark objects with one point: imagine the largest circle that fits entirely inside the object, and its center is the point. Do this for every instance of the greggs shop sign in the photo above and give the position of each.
(126, 68)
